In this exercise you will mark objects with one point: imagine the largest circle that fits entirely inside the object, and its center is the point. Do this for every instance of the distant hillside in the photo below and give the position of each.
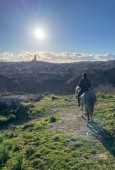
(40, 77)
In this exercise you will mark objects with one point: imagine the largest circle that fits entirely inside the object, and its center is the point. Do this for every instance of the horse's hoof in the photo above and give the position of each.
(88, 123)
(91, 120)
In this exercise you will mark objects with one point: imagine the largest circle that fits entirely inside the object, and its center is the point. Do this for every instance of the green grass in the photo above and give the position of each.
(26, 144)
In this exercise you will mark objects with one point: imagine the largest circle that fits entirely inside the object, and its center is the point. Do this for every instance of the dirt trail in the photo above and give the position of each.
(70, 122)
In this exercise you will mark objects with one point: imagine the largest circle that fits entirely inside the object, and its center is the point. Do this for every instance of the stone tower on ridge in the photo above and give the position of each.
(34, 58)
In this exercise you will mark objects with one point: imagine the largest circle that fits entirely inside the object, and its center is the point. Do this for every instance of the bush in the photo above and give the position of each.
(52, 119)
(3, 156)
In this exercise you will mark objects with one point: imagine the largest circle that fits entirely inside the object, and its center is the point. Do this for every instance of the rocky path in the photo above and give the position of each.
(70, 122)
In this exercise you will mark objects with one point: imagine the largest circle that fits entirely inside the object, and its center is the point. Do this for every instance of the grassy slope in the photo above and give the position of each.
(51, 135)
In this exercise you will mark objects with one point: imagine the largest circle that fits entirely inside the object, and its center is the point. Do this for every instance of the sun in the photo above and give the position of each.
(39, 33)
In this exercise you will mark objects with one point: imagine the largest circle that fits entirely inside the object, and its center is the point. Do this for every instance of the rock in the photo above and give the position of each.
(15, 100)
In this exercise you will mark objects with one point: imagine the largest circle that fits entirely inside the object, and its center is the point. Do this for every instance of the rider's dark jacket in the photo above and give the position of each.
(84, 84)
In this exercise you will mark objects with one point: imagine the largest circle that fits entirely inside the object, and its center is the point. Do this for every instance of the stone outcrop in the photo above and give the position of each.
(14, 100)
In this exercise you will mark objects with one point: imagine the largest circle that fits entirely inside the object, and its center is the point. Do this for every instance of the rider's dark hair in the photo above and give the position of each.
(84, 74)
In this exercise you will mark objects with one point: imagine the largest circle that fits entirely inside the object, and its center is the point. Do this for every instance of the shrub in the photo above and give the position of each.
(53, 97)
(3, 155)
(52, 119)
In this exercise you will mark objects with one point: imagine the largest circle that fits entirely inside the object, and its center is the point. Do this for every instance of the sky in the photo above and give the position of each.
(72, 29)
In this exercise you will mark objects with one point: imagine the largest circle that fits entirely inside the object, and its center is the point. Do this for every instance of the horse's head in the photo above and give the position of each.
(77, 89)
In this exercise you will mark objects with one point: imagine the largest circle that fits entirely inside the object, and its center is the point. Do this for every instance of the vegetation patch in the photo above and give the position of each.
(30, 144)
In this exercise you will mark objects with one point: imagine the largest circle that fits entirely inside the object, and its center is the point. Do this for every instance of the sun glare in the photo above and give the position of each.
(39, 33)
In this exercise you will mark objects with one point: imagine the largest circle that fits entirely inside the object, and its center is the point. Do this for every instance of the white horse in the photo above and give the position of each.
(87, 99)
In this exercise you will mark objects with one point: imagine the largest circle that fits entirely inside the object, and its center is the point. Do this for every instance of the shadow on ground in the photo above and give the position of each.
(103, 136)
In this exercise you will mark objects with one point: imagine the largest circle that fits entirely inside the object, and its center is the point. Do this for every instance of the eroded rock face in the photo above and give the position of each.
(15, 100)
(9, 101)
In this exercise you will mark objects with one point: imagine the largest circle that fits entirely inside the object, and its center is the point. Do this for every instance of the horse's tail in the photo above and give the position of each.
(90, 99)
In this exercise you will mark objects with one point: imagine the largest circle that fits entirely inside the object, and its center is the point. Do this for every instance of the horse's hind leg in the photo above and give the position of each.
(85, 111)
(82, 110)
(91, 112)
(88, 112)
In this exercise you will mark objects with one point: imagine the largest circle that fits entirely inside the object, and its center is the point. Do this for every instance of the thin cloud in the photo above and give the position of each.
(62, 57)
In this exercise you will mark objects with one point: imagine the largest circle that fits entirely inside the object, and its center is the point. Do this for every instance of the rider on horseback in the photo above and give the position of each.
(84, 85)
